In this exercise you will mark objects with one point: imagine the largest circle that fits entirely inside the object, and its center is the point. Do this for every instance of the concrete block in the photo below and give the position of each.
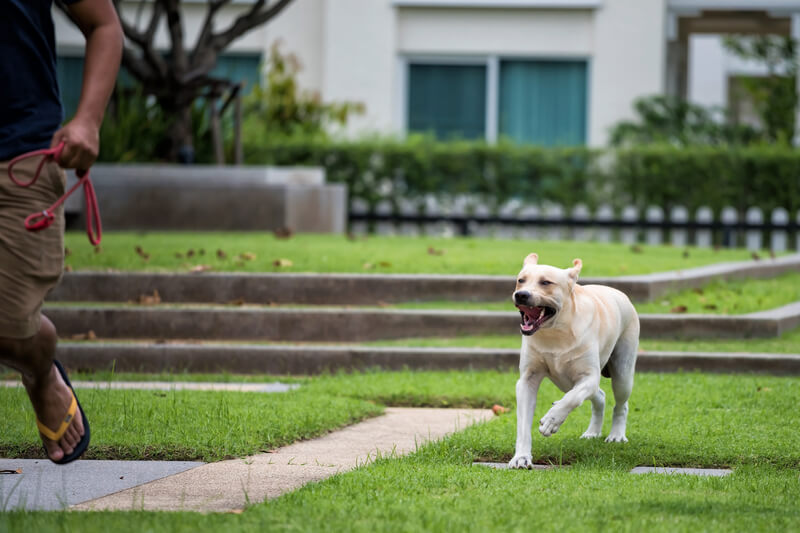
(174, 197)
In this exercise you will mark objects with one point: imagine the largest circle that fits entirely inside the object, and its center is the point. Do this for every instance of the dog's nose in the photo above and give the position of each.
(522, 297)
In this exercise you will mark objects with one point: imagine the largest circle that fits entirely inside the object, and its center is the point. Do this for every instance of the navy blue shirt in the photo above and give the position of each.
(30, 105)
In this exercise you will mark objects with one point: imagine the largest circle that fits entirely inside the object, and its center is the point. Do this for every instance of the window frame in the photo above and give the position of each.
(492, 64)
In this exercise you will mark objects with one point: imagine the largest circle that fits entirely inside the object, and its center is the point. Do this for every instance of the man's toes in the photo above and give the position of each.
(54, 451)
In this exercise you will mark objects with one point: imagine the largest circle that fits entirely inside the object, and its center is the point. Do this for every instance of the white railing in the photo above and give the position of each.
(777, 230)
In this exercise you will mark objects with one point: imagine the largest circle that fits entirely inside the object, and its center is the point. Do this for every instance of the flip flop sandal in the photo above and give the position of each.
(57, 434)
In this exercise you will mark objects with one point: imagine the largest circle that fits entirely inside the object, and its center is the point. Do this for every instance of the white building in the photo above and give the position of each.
(541, 71)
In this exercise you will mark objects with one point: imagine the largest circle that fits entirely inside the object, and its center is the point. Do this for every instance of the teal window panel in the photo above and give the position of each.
(543, 102)
(448, 100)
(239, 68)
(69, 70)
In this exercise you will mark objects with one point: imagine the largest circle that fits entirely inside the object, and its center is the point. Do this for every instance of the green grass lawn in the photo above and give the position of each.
(747, 423)
(185, 425)
(258, 252)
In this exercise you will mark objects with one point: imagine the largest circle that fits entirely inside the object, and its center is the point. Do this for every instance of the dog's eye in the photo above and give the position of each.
(521, 280)
(545, 283)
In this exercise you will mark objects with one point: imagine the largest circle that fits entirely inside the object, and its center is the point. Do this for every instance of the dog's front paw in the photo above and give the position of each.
(521, 461)
(550, 422)
(614, 437)
(588, 434)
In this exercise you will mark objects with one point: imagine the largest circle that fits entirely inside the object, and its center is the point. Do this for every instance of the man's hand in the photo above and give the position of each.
(81, 140)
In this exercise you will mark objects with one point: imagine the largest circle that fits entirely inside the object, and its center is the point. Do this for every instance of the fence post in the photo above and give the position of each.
(509, 210)
(580, 213)
(605, 213)
(679, 237)
(384, 227)
(654, 214)
(358, 206)
(433, 208)
(481, 229)
(729, 219)
(778, 237)
(628, 234)
(554, 213)
(753, 237)
(530, 231)
(409, 208)
(703, 237)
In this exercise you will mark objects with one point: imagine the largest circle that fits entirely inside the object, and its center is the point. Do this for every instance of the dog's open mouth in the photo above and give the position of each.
(534, 317)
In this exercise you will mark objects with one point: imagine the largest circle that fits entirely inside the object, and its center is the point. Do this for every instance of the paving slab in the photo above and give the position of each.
(177, 385)
(45, 486)
(504, 466)
(233, 484)
(708, 472)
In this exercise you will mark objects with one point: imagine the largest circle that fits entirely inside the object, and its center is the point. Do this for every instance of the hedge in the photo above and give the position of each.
(376, 170)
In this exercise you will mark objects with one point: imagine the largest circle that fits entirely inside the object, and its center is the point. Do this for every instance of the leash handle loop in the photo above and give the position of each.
(43, 220)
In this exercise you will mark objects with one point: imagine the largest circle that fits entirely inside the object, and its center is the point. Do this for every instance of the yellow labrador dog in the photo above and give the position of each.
(572, 334)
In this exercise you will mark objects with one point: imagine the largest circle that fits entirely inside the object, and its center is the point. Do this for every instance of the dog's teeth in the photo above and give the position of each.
(541, 313)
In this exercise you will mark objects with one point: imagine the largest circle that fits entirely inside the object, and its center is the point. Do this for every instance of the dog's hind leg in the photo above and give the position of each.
(598, 410)
(622, 365)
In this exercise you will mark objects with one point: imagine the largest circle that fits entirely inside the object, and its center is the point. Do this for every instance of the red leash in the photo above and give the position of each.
(40, 221)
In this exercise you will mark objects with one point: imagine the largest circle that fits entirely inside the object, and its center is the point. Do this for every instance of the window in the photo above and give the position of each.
(531, 101)
(235, 67)
(543, 102)
(448, 100)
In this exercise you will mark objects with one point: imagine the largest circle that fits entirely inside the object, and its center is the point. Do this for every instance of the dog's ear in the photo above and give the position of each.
(532, 259)
(575, 271)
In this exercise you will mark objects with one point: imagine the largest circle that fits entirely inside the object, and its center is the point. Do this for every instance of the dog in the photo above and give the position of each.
(571, 334)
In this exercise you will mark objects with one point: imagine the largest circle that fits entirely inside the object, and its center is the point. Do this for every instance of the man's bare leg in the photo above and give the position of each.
(50, 396)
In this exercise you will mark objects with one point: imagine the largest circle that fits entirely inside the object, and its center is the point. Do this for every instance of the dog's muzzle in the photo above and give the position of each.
(531, 316)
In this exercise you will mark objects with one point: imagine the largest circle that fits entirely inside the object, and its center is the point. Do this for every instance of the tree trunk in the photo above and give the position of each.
(181, 141)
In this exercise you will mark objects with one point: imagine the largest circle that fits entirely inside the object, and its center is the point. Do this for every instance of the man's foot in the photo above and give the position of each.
(51, 399)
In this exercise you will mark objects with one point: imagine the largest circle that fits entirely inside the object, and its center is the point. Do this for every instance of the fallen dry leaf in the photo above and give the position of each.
(368, 266)
(67, 268)
(636, 249)
(149, 299)
(381, 303)
(679, 309)
(755, 256)
(434, 251)
(237, 301)
(710, 306)
(67, 252)
(282, 263)
(283, 233)
(17, 471)
(98, 249)
(178, 255)
(697, 290)
(248, 256)
(201, 268)
(221, 254)
(384, 264)
(499, 409)
(189, 253)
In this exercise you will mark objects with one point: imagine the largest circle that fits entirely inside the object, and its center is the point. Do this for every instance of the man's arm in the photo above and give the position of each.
(98, 21)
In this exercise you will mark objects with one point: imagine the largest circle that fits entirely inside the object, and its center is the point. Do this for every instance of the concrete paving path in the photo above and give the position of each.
(45, 486)
(174, 385)
(230, 485)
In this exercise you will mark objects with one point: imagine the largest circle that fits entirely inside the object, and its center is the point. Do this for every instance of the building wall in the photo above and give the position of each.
(353, 50)
(628, 61)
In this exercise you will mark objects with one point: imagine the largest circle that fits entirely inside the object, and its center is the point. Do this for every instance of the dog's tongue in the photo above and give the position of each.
(533, 318)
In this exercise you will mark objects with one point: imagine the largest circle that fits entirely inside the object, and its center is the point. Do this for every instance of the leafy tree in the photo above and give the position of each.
(179, 75)
(668, 120)
(775, 95)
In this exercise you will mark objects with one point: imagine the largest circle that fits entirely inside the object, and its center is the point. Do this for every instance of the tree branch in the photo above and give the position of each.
(175, 27)
(256, 16)
(208, 24)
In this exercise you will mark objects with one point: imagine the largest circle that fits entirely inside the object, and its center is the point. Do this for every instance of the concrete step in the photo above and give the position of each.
(304, 360)
(370, 289)
(359, 325)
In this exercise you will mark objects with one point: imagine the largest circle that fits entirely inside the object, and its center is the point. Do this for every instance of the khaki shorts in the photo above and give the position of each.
(31, 263)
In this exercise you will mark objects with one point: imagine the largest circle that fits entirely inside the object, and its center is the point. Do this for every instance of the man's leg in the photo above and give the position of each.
(31, 264)
(50, 396)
